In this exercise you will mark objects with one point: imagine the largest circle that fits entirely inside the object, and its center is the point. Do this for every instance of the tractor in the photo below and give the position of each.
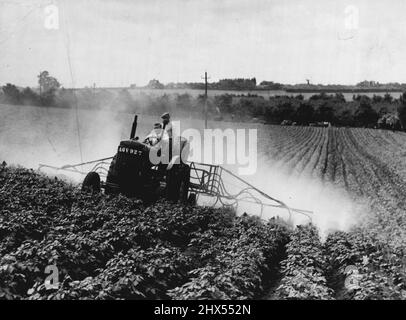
(132, 173)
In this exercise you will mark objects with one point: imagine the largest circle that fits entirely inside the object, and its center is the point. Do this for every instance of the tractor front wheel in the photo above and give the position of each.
(91, 182)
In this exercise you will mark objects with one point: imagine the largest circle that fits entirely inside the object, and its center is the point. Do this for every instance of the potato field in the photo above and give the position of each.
(108, 247)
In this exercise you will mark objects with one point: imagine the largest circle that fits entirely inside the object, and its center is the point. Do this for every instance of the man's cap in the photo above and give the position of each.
(165, 115)
(157, 125)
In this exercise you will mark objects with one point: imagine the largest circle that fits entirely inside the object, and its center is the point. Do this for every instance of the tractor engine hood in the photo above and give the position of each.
(134, 145)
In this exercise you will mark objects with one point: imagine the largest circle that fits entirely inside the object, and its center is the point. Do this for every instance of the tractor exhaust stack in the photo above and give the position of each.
(134, 127)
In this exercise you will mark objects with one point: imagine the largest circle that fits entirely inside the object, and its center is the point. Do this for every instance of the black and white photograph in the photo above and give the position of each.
(229, 152)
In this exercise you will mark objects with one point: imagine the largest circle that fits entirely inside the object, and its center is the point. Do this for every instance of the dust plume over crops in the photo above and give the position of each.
(332, 207)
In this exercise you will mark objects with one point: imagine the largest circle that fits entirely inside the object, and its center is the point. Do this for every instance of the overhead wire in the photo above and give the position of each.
(19, 26)
(67, 45)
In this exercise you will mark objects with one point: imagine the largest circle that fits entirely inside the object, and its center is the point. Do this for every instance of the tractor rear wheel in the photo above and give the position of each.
(184, 187)
(177, 183)
(91, 182)
(192, 200)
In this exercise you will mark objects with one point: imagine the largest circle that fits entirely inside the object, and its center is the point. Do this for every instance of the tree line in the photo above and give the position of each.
(376, 112)
(362, 111)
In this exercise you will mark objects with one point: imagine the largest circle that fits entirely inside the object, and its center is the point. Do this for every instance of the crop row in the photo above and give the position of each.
(303, 271)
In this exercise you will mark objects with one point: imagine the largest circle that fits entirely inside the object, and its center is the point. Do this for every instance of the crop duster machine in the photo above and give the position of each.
(130, 172)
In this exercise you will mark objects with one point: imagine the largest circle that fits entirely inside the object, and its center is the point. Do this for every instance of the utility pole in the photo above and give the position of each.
(40, 85)
(94, 94)
(205, 100)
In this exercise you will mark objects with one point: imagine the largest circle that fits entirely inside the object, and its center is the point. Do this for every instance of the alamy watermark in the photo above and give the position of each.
(351, 20)
(52, 280)
(51, 19)
(352, 279)
(237, 147)
(350, 23)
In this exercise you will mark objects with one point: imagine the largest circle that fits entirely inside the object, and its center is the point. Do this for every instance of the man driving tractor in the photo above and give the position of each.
(161, 131)
(156, 134)
(172, 145)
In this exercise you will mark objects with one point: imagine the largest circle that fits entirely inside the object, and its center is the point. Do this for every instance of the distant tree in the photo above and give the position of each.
(284, 111)
(339, 97)
(47, 87)
(235, 84)
(224, 103)
(387, 98)
(358, 98)
(28, 96)
(304, 114)
(377, 98)
(366, 116)
(345, 118)
(269, 115)
(155, 84)
(320, 96)
(245, 107)
(258, 108)
(11, 93)
(325, 112)
(402, 111)
(47, 83)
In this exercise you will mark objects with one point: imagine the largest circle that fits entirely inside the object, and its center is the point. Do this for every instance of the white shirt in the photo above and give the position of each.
(168, 129)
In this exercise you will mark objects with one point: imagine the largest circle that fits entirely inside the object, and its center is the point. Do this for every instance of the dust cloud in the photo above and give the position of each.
(30, 136)
(332, 208)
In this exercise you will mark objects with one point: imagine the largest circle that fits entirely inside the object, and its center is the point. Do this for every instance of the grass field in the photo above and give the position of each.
(353, 179)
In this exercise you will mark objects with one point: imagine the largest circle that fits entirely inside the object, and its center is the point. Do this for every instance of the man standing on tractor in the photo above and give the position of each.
(166, 124)
(167, 128)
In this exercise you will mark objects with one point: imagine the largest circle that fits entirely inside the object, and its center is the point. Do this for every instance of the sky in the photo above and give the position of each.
(122, 42)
